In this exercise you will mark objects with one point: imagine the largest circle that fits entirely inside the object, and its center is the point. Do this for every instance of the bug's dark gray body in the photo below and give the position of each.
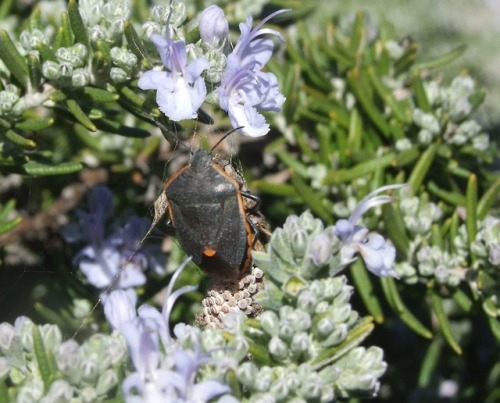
(207, 212)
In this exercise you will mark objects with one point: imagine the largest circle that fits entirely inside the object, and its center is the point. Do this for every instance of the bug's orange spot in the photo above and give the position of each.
(209, 252)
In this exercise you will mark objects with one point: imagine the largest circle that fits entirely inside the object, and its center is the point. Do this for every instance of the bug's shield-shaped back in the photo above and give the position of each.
(208, 219)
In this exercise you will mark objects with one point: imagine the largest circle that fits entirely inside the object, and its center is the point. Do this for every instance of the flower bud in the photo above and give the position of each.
(307, 301)
(88, 394)
(65, 70)
(106, 382)
(5, 368)
(32, 391)
(67, 356)
(51, 336)
(270, 323)
(299, 243)
(325, 326)
(150, 27)
(97, 33)
(7, 334)
(300, 343)
(278, 348)
(60, 391)
(247, 374)
(214, 28)
(81, 308)
(311, 386)
(159, 14)
(90, 368)
(24, 328)
(118, 75)
(50, 70)
(80, 78)
(280, 390)
(320, 250)
(337, 336)
(116, 28)
(264, 379)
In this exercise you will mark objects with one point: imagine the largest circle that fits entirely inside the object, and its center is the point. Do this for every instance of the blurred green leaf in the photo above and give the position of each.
(471, 209)
(422, 167)
(429, 364)
(486, 202)
(364, 287)
(39, 169)
(20, 140)
(80, 115)
(441, 60)
(77, 25)
(444, 324)
(12, 59)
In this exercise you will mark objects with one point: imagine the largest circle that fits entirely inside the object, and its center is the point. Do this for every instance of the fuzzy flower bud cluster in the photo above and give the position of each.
(105, 20)
(304, 334)
(46, 369)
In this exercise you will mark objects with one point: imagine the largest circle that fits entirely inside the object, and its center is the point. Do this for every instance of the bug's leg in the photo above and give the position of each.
(256, 199)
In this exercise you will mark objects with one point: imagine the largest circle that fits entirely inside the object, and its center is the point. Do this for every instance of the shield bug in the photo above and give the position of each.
(214, 221)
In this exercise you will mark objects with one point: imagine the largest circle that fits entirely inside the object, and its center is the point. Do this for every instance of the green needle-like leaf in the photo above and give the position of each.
(313, 200)
(4, 393)
(12, 58)
(362, 169)
(79, 114)
(355, 80)
(111, 126)
(444, 324)
(35, 125)
(78, 27)
(453, 198)
(463, 300)
(6, 226)
(399, 111)
(406, 60)
(38, 169)
(66, 33)
(136, 45)
(34, 70)
(277, 189)
(293, 163)
(355, 130)
(394, 299)
(100, 95)
(395, 227)
(356, 335)
(471, 209)
(420, 94)
(442, 60)
(41, 357)
(20, 140)
(422, 167)
(495, 327)
(429, 363)
(364, 287)
(488, 199)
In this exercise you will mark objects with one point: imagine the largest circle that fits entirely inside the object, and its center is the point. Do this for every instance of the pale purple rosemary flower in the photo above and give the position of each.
(214, 28)
(245, 89)
(118, 260)
(152, 381)
(180, 90)
(377, 253)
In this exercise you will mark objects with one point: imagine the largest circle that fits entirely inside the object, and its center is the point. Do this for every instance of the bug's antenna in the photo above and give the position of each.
(224, 137)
